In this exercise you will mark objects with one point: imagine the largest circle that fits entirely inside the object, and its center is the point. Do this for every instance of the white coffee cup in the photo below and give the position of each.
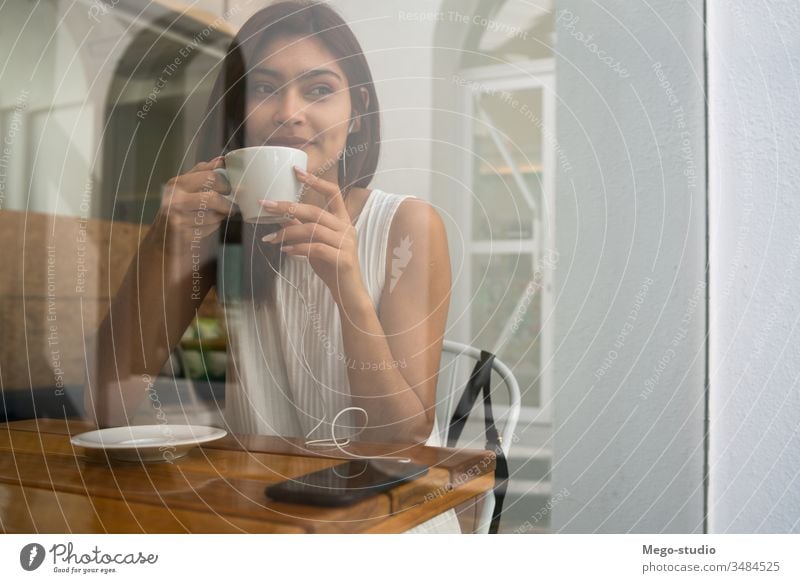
(262, 173)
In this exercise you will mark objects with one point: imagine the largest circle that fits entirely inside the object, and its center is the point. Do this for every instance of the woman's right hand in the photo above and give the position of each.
(192, 203)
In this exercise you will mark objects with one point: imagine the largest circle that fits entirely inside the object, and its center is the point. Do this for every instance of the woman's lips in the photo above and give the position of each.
(299, 144)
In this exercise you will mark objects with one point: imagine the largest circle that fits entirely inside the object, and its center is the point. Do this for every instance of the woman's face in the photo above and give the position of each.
(298, 96)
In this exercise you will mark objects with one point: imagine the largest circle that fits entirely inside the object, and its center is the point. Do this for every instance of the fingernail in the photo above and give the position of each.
(300, 171)
(270, 237)
(270, 204)
(287, 247)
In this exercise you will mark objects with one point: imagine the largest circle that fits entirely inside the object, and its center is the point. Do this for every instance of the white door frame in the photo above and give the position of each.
(532, 74)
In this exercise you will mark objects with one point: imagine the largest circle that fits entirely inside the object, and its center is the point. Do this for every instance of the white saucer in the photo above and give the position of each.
(147, 442)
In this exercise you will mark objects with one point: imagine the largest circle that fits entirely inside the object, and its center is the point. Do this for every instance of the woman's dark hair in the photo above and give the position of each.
(223, 128)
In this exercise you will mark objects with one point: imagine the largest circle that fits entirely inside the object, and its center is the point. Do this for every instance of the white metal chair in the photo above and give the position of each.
(460, 359)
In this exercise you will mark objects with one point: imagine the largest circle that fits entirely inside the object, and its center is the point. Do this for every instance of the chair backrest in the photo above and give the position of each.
(458, 360)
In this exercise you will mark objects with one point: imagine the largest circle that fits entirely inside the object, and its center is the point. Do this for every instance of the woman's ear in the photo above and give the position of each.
(365, 101)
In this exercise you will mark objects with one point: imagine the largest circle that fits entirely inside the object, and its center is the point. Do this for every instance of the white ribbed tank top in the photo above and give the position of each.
(270, 390)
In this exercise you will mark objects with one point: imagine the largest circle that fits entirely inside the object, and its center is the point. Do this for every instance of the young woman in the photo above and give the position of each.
(341, 331)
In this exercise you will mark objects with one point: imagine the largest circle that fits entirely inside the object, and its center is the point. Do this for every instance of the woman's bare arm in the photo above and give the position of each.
(394, 355)
(172, 272)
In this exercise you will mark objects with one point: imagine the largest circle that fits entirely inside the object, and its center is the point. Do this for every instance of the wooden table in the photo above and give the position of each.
(47, 485)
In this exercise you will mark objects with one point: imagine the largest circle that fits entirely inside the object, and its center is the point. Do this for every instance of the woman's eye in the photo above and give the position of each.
(263, 88)
(325, 91)
(268, 90)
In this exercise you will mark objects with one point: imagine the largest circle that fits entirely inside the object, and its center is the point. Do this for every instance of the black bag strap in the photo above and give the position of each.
(480, 380)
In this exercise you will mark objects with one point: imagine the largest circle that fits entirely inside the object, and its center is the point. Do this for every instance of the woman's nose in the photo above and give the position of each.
(290, 108)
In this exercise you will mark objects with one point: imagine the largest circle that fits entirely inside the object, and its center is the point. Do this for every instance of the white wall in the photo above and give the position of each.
(628, 443)
(400, 57)
(754, 67)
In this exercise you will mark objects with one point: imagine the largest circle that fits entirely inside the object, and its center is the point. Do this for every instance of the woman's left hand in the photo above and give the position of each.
(327, 237)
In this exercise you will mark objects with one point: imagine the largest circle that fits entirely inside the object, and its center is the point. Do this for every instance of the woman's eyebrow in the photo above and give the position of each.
(307, 74)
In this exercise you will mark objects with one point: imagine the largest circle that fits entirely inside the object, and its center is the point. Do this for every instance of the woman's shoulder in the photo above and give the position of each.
(414, 214)
(416, 247)
(399, 212)
(376, 209)
(418, 226)
(400, 216)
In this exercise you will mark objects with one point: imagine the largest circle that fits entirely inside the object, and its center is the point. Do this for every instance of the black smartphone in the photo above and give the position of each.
(346, 483)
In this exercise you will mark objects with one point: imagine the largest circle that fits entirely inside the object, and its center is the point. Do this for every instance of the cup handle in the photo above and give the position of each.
(224, 174)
